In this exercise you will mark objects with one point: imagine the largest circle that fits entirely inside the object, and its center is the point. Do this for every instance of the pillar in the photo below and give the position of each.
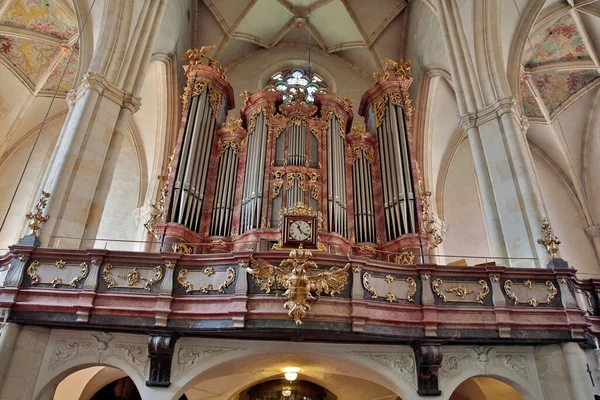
(576, 364)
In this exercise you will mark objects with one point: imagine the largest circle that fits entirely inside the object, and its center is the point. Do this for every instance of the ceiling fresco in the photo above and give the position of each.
(547, 62)
(35, 43)
(560, 41)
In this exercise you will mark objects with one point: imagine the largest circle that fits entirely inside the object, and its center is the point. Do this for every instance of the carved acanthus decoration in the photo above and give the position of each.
(296, 176)
(428, 226)
(206, 280)
(182, 248)
(125, 277)
(401, 69)
(588, 297)
(277, 183)
(405, 257)
(358, 151)
(391, 286)
(530, 292)
(37, 218)
(463, 291)
(237, 145)
(246, 96)
(158, 213)
(189, 357)
(313, 185)
(196, 57)
(550, 241)
(295, 275)
(402, 364)
(68, 274)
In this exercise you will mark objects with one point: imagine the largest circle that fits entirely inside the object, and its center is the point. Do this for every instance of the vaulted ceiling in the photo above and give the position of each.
(351, 29)
(36, 39)
(560, 61)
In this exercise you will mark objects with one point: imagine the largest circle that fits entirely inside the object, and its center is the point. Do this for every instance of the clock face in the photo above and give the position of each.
(300, 230)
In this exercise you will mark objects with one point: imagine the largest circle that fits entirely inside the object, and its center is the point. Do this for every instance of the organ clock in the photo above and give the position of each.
(293, 169)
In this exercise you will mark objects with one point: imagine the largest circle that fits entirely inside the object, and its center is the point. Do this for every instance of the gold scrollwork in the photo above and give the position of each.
(405, 257)
(412, 289)
(552, 292)
(367, 284)
(182, 248)
(461, 291)
(158, 209)
(215, 99)
(205, 288)
(246, 96)
(295, 275)
(436, 286)
(359, 151)
(132, 277)
(296, 176)
(35, 278)
(236, 145)
(588, 295)
(56, 281)
(550, 241)
(37, 217)
(428, 223)
(277, 181)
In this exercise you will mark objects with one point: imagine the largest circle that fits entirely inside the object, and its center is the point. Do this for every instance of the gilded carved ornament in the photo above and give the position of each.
(550, 241)
(132, 277)
(246, 96)
(182, 248)
(295, 275)
(588, 297)
(183, 278)
(32, 272)
(460, 290)
(405, 257)
(236, 145)
(356, 152)
(428, 227)
(529, 284)
(37, 217)
(158, 209)
(367, 280)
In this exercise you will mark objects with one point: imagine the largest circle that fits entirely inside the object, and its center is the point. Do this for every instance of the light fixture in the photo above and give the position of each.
(291, 373)
(287, 392)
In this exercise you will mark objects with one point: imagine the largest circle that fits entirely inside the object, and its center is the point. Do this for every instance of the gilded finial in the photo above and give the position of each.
(37, 218)
(196, 56)
(428, 223)
(158, 209)
(550, 240)
(246, 96)
(401, 69)
(234, 124)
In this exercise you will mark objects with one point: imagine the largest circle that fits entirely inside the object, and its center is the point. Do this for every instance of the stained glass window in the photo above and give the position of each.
(294, 81)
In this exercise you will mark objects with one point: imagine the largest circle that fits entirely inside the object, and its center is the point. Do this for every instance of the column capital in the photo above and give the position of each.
(92, 81)
(593, 231)
(507, 105)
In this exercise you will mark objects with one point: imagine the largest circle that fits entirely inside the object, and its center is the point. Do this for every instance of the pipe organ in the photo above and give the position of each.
(293, 148)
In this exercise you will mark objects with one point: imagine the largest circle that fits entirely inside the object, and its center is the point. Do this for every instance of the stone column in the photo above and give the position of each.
(74, 171)
(576, 366)
(507, 182)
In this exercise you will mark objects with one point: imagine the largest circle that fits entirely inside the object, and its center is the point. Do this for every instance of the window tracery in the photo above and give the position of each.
(293, 82)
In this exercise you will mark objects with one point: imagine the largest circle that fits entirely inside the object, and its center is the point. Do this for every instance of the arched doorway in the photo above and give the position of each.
(336, 376)
(485, 388)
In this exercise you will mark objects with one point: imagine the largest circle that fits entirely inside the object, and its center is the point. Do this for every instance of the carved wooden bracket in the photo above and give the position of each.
(429, 359)
(160, 353)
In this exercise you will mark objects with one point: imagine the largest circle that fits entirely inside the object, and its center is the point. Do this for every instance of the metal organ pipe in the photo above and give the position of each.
(255, 169)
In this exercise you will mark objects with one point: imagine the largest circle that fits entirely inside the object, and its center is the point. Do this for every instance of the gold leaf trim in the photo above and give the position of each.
(131, 277)
(533, 302)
